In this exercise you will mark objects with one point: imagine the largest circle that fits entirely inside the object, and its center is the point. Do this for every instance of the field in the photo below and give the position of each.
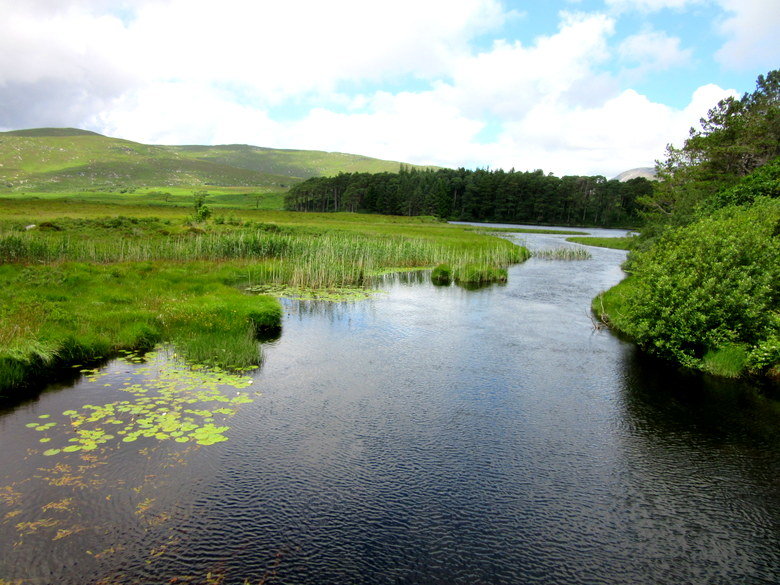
(81, 279)
(265, 198)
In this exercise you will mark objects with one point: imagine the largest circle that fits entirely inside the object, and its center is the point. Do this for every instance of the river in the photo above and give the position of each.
(429, 435)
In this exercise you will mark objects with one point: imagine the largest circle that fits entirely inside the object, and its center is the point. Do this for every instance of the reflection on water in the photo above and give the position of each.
(665, 400)
(427, 435)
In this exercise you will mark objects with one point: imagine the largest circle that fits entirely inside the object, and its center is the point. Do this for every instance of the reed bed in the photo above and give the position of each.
(562, 253)
(70, 296)
(325, 260)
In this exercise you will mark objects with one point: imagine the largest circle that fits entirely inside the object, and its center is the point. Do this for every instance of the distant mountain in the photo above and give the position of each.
(69, 159)
(645, 172)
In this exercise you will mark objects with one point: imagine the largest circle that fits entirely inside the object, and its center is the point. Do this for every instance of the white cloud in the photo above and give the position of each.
(62, 46)
(406, 126)
(281, 49)
(270, 50)
(653, 50)
(194, 71)
(184, 113)
(625, 132)
(752, 30)
(510, 78)
(650, 5)
(750, 27)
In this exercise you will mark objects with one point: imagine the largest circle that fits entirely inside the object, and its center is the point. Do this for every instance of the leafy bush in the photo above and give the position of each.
(765, 182)
(709, 289)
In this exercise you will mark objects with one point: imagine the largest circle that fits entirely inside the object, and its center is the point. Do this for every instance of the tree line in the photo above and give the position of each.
(477, 195)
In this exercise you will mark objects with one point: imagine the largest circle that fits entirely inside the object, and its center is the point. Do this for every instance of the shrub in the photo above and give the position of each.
(706, 294)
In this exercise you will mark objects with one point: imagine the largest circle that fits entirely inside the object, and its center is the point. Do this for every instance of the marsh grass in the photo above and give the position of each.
(625, 243)
(331, 259)
(479, 274)
(524, 230)
(88, 287)
(442, 275)
(562, 253)
(729, 361)
(74, 312)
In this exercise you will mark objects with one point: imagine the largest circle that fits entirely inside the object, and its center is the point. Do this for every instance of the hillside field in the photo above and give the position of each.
(58, 160)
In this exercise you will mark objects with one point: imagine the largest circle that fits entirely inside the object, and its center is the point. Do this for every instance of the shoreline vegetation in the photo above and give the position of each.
(704, 274)
(80, 286)
(625, 243)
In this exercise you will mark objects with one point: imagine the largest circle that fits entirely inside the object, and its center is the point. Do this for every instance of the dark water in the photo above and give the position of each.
(430, 435)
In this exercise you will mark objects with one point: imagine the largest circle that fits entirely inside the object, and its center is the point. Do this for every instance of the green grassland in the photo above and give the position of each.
(94, 278)
(72, 160)
(285, 162)
(263, 198)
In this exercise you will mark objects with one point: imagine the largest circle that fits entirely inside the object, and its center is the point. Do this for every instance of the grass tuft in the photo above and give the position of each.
(562, 253)
(442, 275)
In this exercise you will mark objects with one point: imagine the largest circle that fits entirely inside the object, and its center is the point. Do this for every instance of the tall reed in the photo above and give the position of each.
(562, 253)
(325, 260)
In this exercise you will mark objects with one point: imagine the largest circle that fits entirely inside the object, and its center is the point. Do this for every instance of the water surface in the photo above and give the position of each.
(428, 435)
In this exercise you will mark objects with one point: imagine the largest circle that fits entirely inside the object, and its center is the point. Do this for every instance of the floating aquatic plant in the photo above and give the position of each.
(298, 293)
(172, 401)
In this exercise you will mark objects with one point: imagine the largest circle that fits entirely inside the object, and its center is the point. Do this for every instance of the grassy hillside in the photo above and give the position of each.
(289, 163)
(71, 160)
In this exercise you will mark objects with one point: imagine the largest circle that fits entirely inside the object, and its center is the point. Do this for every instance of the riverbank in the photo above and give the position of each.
(84, 286)
(705, 295)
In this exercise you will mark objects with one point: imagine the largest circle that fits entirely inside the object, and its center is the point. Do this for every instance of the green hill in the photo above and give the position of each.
(302, 164)
(69, 159)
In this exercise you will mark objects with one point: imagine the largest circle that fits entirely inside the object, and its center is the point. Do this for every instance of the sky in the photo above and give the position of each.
(567, 86)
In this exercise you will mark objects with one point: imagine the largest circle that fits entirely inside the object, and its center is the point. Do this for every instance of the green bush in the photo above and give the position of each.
(764, 182)
(707, 294)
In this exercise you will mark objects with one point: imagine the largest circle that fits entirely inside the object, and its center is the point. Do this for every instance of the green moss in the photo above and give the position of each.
(610, 306)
